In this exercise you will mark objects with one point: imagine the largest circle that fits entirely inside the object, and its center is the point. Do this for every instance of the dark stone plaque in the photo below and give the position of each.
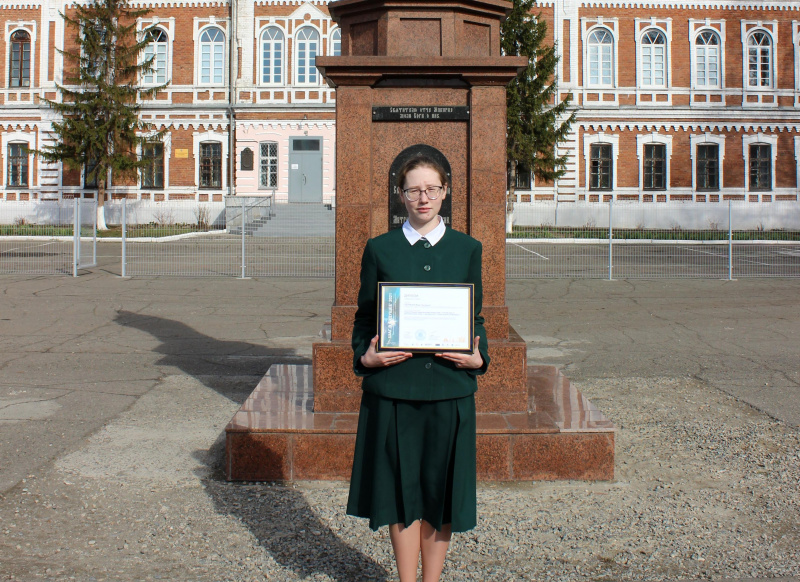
(421, 113)
(397, 209)
(247, 159)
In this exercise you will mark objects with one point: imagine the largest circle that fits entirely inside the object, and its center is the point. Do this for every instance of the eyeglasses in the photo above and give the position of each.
(432, 192)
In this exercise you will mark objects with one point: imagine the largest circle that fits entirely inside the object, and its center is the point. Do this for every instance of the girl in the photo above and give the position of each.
(414, 463)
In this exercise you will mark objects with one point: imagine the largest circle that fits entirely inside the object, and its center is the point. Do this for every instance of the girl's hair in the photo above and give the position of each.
(420, 161)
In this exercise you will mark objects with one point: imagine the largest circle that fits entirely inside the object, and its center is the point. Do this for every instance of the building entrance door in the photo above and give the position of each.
(305, 169)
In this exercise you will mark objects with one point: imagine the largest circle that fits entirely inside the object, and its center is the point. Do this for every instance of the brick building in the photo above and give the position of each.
(691, 101)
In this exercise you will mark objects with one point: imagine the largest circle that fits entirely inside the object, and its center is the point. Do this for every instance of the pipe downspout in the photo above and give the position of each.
(232, 70)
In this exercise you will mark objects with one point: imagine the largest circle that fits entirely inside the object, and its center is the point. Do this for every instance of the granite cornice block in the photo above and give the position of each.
(323, 457)
(258, 457)
(355, 221)
(493, 457)
(342, 318)
(333, 368)
(563, 456)
(496, 323)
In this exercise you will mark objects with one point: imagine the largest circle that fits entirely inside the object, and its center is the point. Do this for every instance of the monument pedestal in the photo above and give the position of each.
(277, 435)
(401, 65)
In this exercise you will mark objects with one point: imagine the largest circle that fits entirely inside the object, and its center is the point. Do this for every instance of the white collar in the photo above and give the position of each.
(433, 237)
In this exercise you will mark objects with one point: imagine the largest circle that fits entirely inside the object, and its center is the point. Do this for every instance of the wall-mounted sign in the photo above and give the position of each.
(421, 113)
(182, 153)
(247, 159)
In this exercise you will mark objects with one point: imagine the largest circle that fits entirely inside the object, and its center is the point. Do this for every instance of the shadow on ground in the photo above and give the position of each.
(222, 365)
(280, 518)
(277, 515)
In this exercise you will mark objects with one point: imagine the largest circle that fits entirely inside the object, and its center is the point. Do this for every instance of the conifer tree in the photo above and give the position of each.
(536, 123)
(100, 128)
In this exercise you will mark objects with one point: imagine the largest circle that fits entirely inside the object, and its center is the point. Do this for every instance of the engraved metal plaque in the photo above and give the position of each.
(420, 113)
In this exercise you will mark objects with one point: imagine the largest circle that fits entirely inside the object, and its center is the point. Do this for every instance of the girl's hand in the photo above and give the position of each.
(372, 358)
(471, 361)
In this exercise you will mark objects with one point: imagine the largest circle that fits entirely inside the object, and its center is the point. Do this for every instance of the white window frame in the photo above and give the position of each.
(702, 139)
(166, 141)
(600, 26)
(334, 39)
(284, 45)
(600, 138)
(797, 161)
(720, 59)
(654, 138)
(277, 164)
(18, 137)
(753, 139)
(167, 59)
(197, 139)
(748, 30)
(640, 58)
(199, 56)
(796, 46)
(11, 28)
(296, 57)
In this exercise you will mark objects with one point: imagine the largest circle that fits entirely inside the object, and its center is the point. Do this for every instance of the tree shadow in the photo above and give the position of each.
(277, 515)
(230, 368)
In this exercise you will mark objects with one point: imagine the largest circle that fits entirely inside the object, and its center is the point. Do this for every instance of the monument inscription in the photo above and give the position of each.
(420, 113)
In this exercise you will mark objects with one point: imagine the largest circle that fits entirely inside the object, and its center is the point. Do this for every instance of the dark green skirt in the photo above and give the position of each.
(415, 460)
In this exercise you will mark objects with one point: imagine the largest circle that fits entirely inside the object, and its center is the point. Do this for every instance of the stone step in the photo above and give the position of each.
(277, 436)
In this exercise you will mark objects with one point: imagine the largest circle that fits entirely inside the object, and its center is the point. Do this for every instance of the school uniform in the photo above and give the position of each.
(415, 446)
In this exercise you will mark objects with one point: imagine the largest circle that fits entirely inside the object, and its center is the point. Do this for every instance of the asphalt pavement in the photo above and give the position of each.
(76, 352)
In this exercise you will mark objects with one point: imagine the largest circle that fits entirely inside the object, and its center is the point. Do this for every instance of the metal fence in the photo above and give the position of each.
(247, 236)
(618, 240)
(259, 237)
(53, 237)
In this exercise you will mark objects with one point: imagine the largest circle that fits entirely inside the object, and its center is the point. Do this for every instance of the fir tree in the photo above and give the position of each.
(100, 128)
(536, 122)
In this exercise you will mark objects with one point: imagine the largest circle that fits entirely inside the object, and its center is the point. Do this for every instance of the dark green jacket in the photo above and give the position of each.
(456, 258)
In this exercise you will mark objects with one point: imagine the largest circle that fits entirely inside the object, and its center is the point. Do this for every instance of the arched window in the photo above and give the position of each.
(706, 58)
(654, 45)
(156, 50)
(272, 56)
(212, 56)
(20, 66)
(307, 47)
(336, 43)
(601, 58)
(759, 60)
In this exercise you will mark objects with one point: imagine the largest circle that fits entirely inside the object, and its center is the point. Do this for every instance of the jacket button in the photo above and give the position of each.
(427, 245)
(427, 267)
(428, 366)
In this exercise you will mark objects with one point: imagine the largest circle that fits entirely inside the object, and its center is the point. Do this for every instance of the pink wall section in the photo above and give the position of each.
(251, 135)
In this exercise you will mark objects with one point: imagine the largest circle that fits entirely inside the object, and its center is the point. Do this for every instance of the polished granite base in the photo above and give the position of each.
(277, 436)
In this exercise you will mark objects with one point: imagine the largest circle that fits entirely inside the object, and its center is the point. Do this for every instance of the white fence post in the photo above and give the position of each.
(730, 241)
(124, 231)
(244, 261)
(76, 236)
(611, 239)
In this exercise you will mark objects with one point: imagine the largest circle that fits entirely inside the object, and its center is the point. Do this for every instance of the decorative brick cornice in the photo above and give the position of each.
(598, 126)
(689, 5)
(20, 5)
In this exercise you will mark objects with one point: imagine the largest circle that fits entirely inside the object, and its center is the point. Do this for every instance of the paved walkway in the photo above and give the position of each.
(77, 352)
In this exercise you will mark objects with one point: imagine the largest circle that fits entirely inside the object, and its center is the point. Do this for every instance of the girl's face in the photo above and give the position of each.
(423, 212)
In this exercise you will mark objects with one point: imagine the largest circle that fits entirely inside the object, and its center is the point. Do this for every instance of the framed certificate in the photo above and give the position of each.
(425, 317)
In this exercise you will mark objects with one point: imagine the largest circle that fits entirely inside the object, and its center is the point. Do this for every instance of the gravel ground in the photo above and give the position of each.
(706, 488)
